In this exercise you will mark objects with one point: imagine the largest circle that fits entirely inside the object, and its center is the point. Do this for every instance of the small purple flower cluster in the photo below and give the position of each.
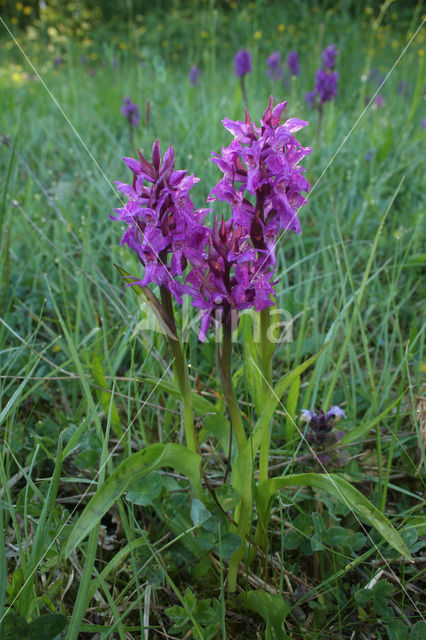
(293, 63)
(130, 111)
(321, 434)
(325, 80)
(273, 62)
(232, 264)
(242, 63)
(194, 75)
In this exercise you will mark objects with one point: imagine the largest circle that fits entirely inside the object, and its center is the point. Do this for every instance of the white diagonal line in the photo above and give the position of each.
(337, 488)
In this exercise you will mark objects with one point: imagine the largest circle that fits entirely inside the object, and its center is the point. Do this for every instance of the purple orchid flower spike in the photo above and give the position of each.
(194, 75)
(293, 63)
(163, 227)
(329, 56)
(130, 111)
(242, 63)
(274, 70)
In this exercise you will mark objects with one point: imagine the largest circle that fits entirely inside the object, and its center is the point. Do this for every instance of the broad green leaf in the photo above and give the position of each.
(13, 626)
(291, 405)
(47, 627)
(154, 457)
(199, 513)
(104, 396)
(229, 543)
(419, 522)
(340, 489)
(273, 610)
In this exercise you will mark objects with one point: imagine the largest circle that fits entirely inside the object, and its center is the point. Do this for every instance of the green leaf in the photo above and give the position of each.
(145, 490)
(397, 630)
(139, 464)
(291, 406)
(340, 489)
(199, 513)
(229, 543)
(273, 610)
(336, 536)
(47, 627)
(13, 627)
(104, 396)
(418, 632)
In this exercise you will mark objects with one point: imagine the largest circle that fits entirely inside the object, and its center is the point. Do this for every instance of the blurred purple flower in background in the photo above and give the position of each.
(274, 66)
(378, 101)
(326, 85)
(194, 75)
(369, 155)
(310, 98)
(423, 124)
(130, 111)
(404, 88)
(325, 81)
(58, 61)
(91, 71)
(293, 63)
(242, 63)
(329, 57)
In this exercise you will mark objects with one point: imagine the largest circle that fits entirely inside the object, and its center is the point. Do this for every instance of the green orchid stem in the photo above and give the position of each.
(181, 372)
(223, 362)
(266, 351)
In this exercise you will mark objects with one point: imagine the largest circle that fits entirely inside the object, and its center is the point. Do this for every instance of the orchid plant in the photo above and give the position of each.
(225, 269)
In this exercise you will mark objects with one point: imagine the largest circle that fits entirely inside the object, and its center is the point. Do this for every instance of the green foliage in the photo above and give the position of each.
(47, 627)
(206, 612)
(273, 610)
(76, 359)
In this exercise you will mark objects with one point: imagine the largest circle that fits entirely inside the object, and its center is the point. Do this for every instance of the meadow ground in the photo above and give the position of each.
(79, 366)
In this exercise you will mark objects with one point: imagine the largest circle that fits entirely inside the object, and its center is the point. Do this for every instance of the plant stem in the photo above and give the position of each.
(266, 350)
(181, 373)
(223, 362)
